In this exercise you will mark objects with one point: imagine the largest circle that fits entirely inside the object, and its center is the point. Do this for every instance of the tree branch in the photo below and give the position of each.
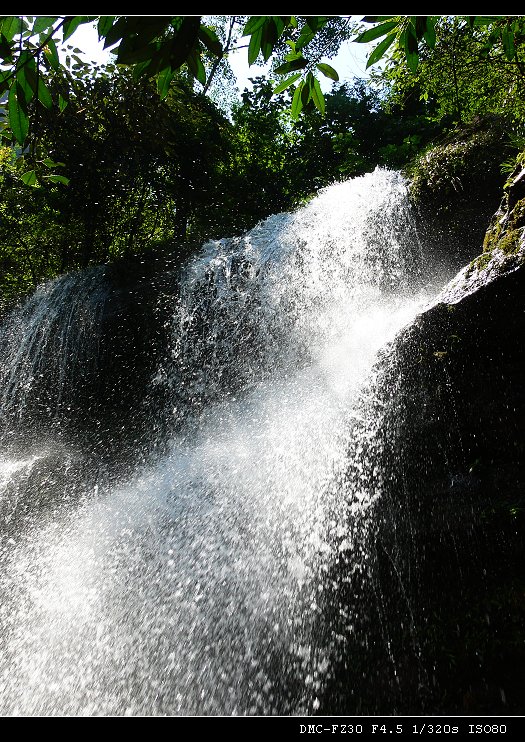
(219, 59)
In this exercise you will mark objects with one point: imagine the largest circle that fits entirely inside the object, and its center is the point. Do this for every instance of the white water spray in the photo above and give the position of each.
(196, 587)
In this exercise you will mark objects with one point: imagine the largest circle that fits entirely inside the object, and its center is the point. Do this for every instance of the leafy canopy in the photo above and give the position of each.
(159, 46)
(469, 66)
(155, 46)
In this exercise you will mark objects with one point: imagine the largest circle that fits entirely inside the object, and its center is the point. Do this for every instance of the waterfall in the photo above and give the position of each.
(49, 342)
(206, 580)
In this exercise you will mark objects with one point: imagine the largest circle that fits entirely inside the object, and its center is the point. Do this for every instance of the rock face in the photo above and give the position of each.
(456, 187)
(450, 540)
(81, 358)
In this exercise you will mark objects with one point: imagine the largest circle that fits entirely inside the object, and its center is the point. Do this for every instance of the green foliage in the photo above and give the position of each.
(280, 162)
(135, 157)
(260, 174)
(302, 46)
(405, 31)
(469, 66)
(157, 46)
(140, 172)
(328, 71)
(136, 173)
(25, 217)
(160, 46)
(409, 32)
(153, 45)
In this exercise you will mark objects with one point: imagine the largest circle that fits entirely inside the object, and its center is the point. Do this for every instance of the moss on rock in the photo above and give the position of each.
(461, 166)
(456, 187)
(510, 243)
(506, 232)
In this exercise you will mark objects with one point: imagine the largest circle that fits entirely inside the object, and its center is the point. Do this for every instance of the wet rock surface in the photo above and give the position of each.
(448, 574)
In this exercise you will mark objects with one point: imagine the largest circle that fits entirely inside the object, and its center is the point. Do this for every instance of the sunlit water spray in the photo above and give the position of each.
(196, 587)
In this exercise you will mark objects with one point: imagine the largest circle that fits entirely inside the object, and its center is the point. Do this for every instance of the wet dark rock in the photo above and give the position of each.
(449, 545)
(456, 188)
(92, 384)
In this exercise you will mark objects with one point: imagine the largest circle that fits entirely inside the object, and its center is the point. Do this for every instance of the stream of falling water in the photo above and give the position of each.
(195, 585)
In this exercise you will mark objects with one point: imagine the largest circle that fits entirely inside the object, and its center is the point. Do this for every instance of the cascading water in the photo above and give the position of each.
(204, 582)
(53, 337)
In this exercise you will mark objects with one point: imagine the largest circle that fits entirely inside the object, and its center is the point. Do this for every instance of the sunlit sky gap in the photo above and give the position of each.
(349, 63)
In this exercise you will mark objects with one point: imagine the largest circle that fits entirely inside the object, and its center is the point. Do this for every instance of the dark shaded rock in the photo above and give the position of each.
(450, 541)
(452, 518)
(439, 610)
(92, 344)
(456, 188)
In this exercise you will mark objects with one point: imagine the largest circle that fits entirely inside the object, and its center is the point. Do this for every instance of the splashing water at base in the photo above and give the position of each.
(196, 587)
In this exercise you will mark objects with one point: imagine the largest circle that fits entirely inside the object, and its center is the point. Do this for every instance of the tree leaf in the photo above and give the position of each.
(412, 61)
(411, 42)
(430, 33)
(115, 33)
(164, 79)
(129, 55)
(184, 41)
(296, 64)
(44, 96)
(317, 95)
(315, 22)
(269, 38)
(486, 20)
(254, 47)
(210, 39)
(104, 25)
(57, 179)
(18, 118)
(6, 51)
(328, 71)
(254, 24)
(297, 103)
(29, 178)
(52, 54)
(377, 18)
(286, 83)
(48, 162)
(26, 80)
(10, 27)
(380, 50)
(43, 23)
(281, 22)
(71, 24)
(507, 37)
(374, 33)
(140, 68)
(140, 40)
(306, 92)
(408, 41)
(194, 62)
(306, 36)
(62, 103)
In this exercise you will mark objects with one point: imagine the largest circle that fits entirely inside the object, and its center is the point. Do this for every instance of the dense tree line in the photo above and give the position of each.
(136, 173)
(103, 163)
